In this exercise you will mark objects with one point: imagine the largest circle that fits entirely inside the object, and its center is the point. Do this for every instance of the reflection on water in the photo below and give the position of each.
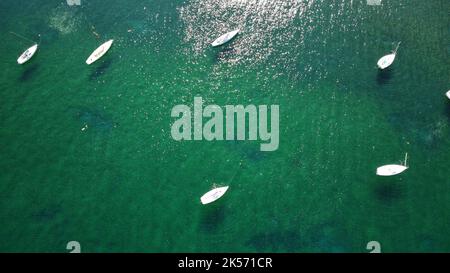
(206, 20)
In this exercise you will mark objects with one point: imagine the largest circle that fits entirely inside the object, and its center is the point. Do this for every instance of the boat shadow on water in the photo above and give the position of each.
(28, 73)
(101, 69)
(447, 111)
(388, 193)
(212, 217)
(384, 76)
(224, 54)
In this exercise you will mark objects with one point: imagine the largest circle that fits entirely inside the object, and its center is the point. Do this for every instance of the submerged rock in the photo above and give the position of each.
(64, 20)
(94, 119)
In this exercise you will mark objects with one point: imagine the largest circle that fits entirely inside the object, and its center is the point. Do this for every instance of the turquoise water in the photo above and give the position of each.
(124, 185)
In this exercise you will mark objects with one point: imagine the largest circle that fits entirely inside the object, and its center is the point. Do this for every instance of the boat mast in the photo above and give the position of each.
(237, 171)
(22, 37)
(395, 51)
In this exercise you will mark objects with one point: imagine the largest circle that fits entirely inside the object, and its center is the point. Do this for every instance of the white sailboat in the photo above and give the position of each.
(225, 38)
(99, 52)
(387, 60)
(448, 94)
(213, 195)
(393, 169)
(373, 2)
(26, 56)
(74, 2)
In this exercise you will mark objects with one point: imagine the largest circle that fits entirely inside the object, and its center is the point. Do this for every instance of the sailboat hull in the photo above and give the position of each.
(389, 170)
(386, 61)
(448, 94)
(225, 38)
(99, 52)
(27, 55)
(213, 195)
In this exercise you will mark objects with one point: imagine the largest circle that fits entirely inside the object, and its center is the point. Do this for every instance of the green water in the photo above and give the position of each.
(124, 185)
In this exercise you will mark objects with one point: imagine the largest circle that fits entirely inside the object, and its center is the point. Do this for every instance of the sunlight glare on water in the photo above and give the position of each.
(258, 21)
